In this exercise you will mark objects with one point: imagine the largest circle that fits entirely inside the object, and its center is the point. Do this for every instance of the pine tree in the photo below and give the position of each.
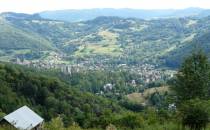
(192, 91)
(193, 78)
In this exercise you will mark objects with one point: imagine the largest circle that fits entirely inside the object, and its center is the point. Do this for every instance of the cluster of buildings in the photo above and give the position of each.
(147, 72)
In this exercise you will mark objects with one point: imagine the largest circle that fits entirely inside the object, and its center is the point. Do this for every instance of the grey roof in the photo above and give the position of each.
(23, 118)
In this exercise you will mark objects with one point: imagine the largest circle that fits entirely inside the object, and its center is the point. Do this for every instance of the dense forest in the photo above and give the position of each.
(64, 106)
(52, 98)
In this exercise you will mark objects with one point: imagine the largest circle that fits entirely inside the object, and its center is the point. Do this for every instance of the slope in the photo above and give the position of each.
(51, 97)
(200, 42)
(14, 38)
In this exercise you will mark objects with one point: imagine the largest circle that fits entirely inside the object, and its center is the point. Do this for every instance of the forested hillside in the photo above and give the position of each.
(51, 98)
(202, 41)
(14, 38)
(109, 41)
(61, 103)
(65, 107)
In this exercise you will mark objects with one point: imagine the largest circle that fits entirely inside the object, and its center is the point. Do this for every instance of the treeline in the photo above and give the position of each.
(51, 98)
(191, 88)
(65, 107)
(94, 81)
(58, 101)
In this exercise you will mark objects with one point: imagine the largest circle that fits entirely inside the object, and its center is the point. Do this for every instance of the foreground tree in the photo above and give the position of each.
(195, 114)
(192, 91)
(193, 78)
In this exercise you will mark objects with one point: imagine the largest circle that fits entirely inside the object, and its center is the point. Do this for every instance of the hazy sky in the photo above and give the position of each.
(31, 6)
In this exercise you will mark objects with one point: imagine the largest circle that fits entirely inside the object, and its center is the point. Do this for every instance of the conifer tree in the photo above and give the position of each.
(193, 78)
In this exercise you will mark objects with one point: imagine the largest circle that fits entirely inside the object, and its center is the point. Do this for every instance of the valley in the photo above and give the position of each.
(107, 72)
(103, 43)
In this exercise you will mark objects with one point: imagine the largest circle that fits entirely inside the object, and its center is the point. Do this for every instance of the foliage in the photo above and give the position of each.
(12, 37)
(54, 124)
(50, 97)
(64, 107)
(96, 80)
(195, 114)
(130, 121)
(192, 91)
(111, 127)
(2, 114)
(193, 78)
(6, 127)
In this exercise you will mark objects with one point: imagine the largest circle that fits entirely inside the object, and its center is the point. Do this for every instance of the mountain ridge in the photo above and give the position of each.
(88, 14)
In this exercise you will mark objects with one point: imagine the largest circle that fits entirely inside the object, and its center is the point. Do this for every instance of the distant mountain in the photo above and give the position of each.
(20, 16)
(204, 13)
(88, 14)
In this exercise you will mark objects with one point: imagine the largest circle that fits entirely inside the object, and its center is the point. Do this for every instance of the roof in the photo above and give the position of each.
(24, 118)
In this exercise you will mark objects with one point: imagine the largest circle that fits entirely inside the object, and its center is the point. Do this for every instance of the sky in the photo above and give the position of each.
(33, 6)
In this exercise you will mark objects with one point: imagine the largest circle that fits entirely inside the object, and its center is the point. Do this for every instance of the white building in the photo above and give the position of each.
(23, 119)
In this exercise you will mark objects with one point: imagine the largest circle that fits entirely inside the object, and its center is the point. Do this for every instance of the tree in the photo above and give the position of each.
(2, 114)
(191, 88)
(192, 80)
(111, 127)
(195, 114)
(55, 124)
(130, 120)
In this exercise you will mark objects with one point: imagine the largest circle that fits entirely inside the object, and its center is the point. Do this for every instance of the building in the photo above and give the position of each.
(23, 119)
(108, 86)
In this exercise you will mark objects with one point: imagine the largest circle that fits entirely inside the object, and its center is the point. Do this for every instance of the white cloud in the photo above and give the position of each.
(31, 6)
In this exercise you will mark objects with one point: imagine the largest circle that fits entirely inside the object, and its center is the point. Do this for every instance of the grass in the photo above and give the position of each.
(5, 58)
(157, 126)
(108, 46)
(189, 38)
(22, 51)
(139, 28)
(167, 126)
(191, 22)
(142, 97)
(112, 50)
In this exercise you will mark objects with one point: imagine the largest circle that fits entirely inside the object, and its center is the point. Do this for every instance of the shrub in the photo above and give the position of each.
(195, 114)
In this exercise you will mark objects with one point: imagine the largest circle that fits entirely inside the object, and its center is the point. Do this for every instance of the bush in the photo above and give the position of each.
(195, 114)
(130, 120)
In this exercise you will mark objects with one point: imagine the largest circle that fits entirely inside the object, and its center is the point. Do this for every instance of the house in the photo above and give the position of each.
(23, 119)
(108, 86)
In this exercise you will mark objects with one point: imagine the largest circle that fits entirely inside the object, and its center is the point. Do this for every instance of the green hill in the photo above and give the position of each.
(14, 38)
(111, 40)
(176, 57)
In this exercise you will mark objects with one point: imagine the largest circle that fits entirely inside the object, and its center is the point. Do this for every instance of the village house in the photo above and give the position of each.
(23, 119)
(108, 86)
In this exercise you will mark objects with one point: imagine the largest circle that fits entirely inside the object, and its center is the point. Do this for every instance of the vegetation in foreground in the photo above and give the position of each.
(65, 108)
